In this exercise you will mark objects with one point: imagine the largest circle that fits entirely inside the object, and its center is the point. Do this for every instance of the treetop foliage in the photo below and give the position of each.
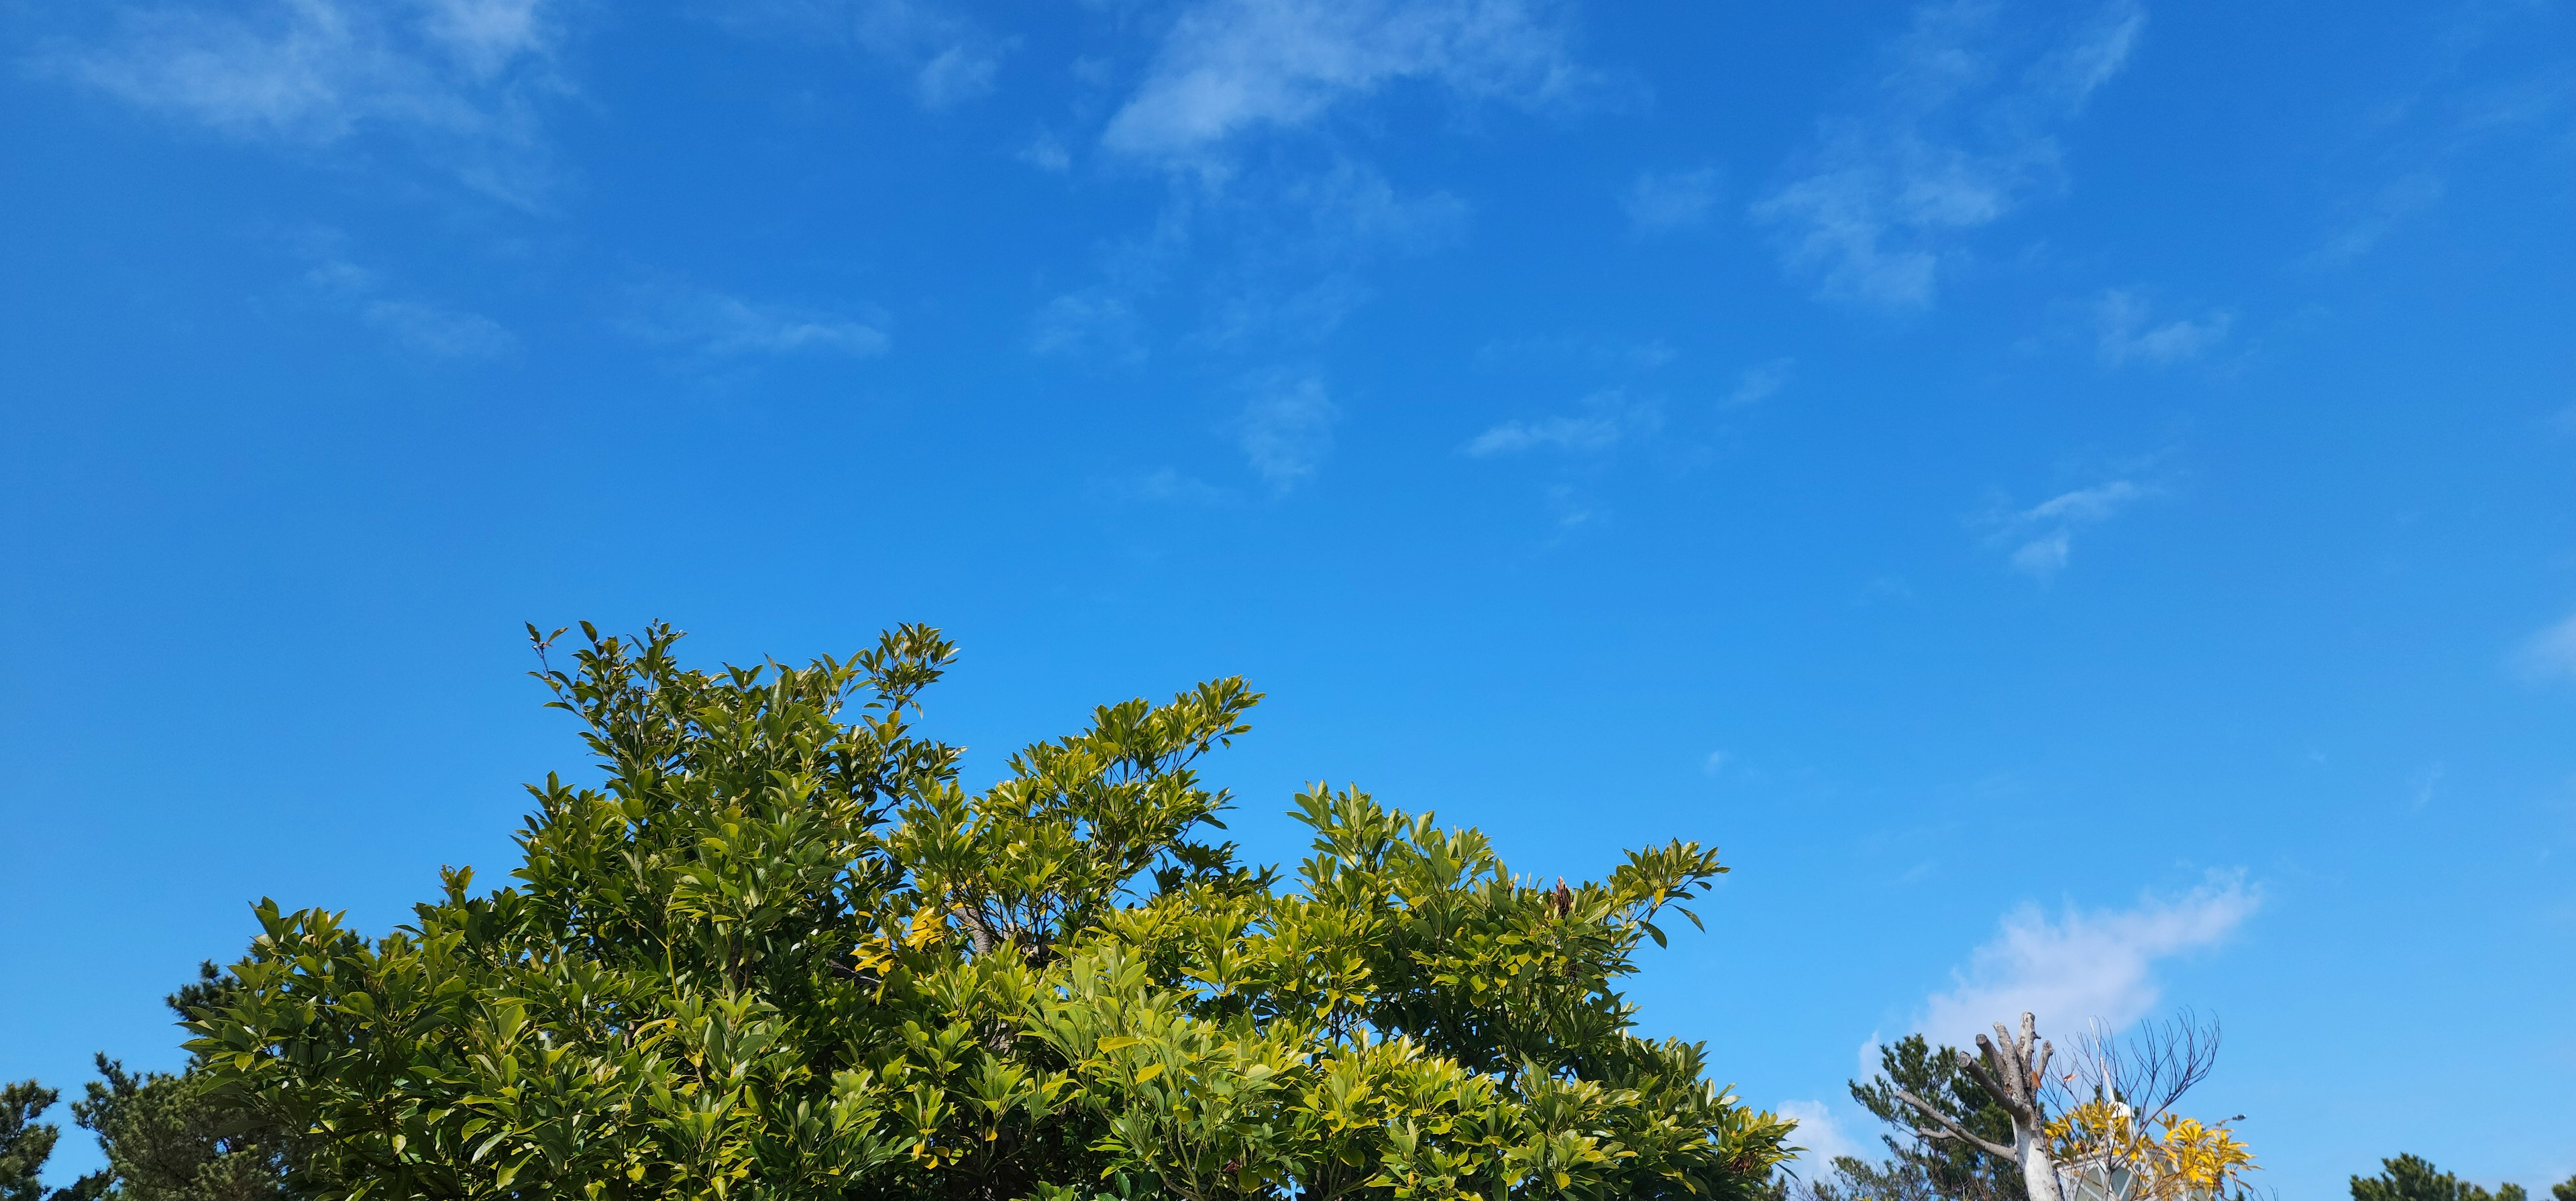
(782, 952)
(2413, 1178)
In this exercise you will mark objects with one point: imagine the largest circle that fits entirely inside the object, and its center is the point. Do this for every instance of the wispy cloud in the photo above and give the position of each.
(1165, 487)
(1279, 266)
(1353, 206)
(1584, 352)
(1961, 131)
(1759, 383)
(2085, 966)
(947, 58)
(447, 333)
(1286, 428)
(1227, 67)
(2128, 334)
(1096, 320)
(2378, 215)
(716, 325)
(414, 322)
(1669, 201)
(2549, 654)
(461, 73)
(1607, 417)
(2042, 537)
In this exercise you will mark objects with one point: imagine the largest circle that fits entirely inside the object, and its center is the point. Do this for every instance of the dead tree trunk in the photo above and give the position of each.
(2011, 1069)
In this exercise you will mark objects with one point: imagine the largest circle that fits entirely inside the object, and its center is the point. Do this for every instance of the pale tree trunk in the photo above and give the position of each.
(2011, 1068)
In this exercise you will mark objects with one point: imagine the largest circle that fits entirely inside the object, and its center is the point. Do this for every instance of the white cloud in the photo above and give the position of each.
(1666, 201)
(417, 323)
(1523, 354)
(2043, 556)
(1045, 153)
(949, 59)
(1287, 429)
(1093, 320)
(1760, 383)
(1165, 486)
(2549, 654)
(2128, 335)
(1229, 66)
(447, 333)
(1353, 207)
(2379, 216)
(2042, 536)
(2084, 966)
(1608, 417)
(1823, 1138)
(2085, 504)
(1716, 760)
(315, 72)
(721, 326)
(1961, 133)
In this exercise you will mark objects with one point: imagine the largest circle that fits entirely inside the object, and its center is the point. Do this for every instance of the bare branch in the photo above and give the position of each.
(1951, 1125)
(1986, 1080)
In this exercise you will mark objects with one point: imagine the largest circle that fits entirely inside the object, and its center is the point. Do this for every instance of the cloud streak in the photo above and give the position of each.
(1286, 429)
(2083, 966)
(720, 326)
(1229, 67)
(1661, 202)
(2549, 654)
(2126, 333)
(2042, 537)
(1608, 417)
(1960, 133)
(1759, 383)
(948, 59)
(415, 322)
(318, 72)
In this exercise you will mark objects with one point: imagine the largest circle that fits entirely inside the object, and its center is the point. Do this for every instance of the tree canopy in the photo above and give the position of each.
(2414, 1178)
(780, 951)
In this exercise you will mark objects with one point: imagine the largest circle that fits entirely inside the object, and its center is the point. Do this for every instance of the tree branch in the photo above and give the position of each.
(1986, 1080)
(1952, 1128)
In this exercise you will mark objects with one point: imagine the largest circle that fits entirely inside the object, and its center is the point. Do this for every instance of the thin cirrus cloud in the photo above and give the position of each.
(315, 72)
(2127, 333)
(1960, 132)
(2549, 654)
(2085, 966)
(948, 58)
(1286, 429)
(715, 325)
(1606, 419)
(1759, 383)
(414, 322)
(1228, 67)
(1662, 202)
(1283, 267)
(2042, 537)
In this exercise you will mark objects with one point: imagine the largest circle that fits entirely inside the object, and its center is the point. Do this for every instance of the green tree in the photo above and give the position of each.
(781, 952)
(2413, 1178)
(1916, 1168)
(167, 1137)
(1952, 1167)
(27, 1144)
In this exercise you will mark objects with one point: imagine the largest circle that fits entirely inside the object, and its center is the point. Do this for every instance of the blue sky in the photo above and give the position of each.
(2074, 499)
